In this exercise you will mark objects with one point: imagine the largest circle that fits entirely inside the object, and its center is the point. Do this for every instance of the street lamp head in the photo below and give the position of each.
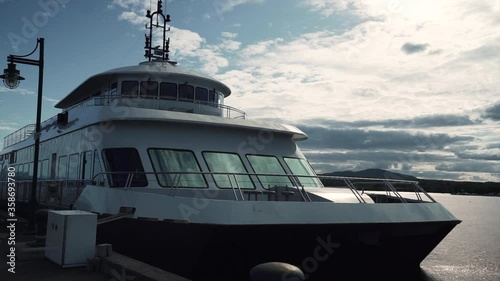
(11, 76)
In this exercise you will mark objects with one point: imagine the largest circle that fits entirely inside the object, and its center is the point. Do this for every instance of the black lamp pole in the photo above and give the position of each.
(11, 80)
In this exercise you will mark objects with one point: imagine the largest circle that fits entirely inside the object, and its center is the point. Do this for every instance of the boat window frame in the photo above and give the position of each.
(44, 169)
(137, 88)
(86, 165)
(285, 173)
(243, 165)
(196, 94)
(96, 160)
(137, 181)
(181, 86)
(70, 165)
(298, 176)
(167, 96)
(59, 166)
(182, 150)
(148, 82)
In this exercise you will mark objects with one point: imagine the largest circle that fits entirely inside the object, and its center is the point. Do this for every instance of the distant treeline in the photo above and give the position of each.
(437, 186)
(440, 186)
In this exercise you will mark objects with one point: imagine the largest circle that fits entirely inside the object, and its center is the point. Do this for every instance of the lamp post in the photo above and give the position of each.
(11, 79)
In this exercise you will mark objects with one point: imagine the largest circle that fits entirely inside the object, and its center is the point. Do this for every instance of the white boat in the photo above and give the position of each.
(189, 184)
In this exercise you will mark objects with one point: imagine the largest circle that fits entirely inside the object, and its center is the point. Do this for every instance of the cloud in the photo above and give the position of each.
(224, 6)
(7, 128)
(353, 139)
(438, 120)
(470, 166)
(20, 91)
(492, 112)
(230, 35)
(54, 101)
(479, 156)
(410, 48)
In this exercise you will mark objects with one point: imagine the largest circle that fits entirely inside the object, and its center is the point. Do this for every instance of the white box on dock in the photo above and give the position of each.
(71, 237)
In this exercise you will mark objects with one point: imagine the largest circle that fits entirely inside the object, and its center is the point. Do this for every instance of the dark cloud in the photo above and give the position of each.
(399, 157)
(410, 48)
(478, 156)
(470, 166)
(493, 145)
(360, 160)
(323, 138)
(439, 120)
(492, 112)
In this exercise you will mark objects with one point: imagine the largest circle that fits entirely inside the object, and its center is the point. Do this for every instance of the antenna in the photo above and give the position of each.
(155, 53)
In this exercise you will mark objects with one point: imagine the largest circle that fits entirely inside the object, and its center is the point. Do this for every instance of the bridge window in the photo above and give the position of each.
(178, 164)
(212, 96)
(168, 90)
(302, 167)
(186, 92)
(62, 168)
(44, 169)
(269, 165)
(201, 94)
(130, 88)
(122, 163)
(228, 163)
(149, 89)
(113, 91)
(96, 164)
(73, 167)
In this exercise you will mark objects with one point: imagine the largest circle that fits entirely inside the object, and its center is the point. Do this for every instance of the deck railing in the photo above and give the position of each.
(270, 187)
(207, 108)
(19, 135)
(179, 105)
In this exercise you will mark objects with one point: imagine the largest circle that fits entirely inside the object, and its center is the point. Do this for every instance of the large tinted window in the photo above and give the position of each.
(180, 168)
(212, 97)
(149, 89)
(301, 167)
(130, 88)
(228, 163)
(62, 168)
(201, 94)
(168, 90)
(73, 167)
(43, 170)
(127, 161)
(96, 164)
(186, 92)
(269, 165)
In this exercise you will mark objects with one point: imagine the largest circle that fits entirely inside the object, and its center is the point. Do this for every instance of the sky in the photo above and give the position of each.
(408, 86)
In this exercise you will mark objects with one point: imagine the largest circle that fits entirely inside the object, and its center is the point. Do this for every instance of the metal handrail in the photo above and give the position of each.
(102, 179)
(396, 193)
(108, 99)
(237, 186)
(19, 135)
(354, 190)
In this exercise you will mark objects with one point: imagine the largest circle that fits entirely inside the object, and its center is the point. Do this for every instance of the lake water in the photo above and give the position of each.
(471, 252)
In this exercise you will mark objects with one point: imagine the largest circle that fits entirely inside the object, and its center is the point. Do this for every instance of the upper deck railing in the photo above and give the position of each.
(190, 106)
(19, 135)
(159, 103)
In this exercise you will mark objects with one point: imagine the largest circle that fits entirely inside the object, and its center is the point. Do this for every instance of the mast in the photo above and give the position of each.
(155, 53)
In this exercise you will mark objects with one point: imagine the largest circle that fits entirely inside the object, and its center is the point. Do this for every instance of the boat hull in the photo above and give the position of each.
(322, 251)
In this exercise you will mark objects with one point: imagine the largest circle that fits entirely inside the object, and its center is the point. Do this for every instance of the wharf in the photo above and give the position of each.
(31, 264)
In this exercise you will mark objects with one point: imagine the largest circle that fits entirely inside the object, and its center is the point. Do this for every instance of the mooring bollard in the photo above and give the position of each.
(276, 271)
